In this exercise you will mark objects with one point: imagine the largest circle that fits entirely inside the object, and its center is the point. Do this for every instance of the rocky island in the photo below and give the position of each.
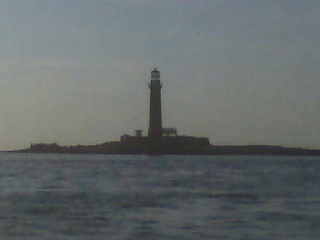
(170, 146)
(164, 141)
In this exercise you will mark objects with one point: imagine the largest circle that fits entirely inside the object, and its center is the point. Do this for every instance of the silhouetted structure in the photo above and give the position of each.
(155, 118)
(166, 140)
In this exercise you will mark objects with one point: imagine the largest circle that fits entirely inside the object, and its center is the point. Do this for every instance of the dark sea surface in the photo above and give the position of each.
(159, 197)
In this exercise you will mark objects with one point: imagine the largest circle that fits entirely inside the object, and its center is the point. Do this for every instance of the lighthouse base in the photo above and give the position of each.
(165, 145)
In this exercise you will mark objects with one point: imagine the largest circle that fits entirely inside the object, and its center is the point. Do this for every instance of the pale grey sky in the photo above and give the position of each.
(236, 71)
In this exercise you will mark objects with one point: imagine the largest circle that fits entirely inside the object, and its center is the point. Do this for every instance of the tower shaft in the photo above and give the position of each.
(155, 118)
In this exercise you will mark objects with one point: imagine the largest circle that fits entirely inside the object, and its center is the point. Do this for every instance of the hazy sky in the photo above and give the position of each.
(236, 71)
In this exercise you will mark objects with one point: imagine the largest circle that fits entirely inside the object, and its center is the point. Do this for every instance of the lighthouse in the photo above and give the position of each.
(155, 118)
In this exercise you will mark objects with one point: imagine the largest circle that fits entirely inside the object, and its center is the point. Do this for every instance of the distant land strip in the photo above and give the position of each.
(117, 147)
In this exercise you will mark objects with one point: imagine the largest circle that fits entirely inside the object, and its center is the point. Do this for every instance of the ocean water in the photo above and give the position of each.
(159, 197)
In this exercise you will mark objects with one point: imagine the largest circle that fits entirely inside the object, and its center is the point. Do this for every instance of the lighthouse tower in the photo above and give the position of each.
(155, 118)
